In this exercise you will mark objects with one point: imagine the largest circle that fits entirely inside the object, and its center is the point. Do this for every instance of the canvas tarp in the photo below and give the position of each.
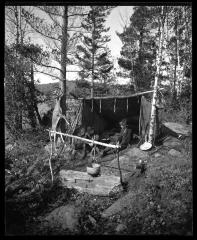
(145, 112)
(105, 114)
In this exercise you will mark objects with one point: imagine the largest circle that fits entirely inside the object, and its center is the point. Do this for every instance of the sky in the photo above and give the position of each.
(117, 19)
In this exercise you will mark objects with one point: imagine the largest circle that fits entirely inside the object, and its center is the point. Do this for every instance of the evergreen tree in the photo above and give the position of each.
(138, 50)
(93, 54)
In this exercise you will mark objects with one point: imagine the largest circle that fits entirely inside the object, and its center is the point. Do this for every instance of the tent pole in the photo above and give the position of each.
(120, 97)
(86, 140)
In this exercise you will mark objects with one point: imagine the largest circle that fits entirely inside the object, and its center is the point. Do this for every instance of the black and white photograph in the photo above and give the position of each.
(98, 119)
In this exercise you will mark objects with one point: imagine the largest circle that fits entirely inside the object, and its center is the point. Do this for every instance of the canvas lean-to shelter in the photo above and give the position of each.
(105, 113)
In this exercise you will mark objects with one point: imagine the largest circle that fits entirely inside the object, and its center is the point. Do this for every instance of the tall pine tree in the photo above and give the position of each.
(138, 50)
(93, 54)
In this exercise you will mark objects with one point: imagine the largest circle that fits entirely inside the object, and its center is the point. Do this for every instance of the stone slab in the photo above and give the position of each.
(81, 181)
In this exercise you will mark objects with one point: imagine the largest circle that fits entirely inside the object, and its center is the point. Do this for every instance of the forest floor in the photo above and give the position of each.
(159, 201)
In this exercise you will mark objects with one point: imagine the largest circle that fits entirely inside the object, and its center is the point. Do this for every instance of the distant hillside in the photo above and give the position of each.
(48, 87)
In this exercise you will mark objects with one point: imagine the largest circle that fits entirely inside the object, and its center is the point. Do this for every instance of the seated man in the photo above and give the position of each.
(123, 140)
(95, 152)
(79, 144)
(82, 145)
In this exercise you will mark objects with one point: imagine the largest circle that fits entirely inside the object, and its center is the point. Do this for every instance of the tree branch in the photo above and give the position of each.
(56, 22)
(56, 39)
(48, 74)
(48, 66)
(48, 12)
(78, 14)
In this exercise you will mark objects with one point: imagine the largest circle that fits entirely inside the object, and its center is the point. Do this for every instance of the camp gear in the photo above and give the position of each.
(94, 170)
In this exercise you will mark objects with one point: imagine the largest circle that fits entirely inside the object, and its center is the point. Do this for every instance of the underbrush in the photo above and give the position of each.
(162, 202)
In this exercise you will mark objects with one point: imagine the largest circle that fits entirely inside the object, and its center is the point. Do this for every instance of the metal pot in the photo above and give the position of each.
(94, 170)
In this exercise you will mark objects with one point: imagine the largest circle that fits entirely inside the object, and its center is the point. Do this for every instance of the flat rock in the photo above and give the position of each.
(129, 158)
(119, 206)
(83, 182)
(174, 153)
(179, 129)
(172, 142)
(136, 153)
(64, 217)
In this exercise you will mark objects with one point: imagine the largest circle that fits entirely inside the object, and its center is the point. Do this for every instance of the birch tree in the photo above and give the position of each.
(158, 66)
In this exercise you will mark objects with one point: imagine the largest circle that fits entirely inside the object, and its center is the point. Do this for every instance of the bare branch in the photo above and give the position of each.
(56, 39)
(56, 22)
(48, 66)
(48, 74)
(78, 14)
(124, 22)
(44, 10)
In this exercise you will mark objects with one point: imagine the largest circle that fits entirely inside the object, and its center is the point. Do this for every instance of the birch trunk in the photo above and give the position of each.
(64, 66)
(158, 64)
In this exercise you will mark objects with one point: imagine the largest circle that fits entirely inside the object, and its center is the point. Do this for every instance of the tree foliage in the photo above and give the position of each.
(93, 54)
(140, 44)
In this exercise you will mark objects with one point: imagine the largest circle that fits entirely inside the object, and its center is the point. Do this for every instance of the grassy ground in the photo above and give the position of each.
(161, 198)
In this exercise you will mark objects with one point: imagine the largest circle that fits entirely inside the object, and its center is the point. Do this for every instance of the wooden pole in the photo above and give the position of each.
(120, 97)
(119, 168)
(86, 140)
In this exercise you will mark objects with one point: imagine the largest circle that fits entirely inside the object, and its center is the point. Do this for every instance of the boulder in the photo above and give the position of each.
(64, 217)
(178, 129)
(122, 204)
(174, 153)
